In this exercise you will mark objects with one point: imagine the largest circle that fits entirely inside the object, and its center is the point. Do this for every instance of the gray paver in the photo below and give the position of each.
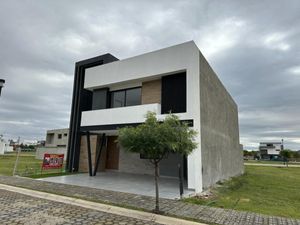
(170, 207)
(132, 183)
(17, 208)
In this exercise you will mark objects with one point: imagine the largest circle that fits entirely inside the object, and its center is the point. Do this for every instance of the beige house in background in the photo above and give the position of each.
(56, 143)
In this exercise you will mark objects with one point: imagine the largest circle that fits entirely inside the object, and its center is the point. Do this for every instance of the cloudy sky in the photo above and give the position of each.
(254, 47)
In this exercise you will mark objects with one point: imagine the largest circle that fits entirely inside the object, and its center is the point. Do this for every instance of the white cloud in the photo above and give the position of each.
(276, 41)
(15, 122)
(69, 41)
(221, 36)
(294, 70)
(248, 143)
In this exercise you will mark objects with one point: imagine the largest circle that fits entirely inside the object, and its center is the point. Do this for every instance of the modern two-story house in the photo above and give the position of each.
(270, 150)
(110, 93)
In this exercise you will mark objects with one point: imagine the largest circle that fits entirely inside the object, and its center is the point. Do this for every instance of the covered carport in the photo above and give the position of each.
(125, 182)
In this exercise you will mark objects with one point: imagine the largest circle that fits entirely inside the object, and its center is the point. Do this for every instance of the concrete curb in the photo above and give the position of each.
(101, 207)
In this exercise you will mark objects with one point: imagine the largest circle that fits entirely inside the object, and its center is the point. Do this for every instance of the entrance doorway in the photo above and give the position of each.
(112, 153)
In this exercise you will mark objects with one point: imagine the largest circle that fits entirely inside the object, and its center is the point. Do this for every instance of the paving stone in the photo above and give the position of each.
(170, 207)
(17, 208)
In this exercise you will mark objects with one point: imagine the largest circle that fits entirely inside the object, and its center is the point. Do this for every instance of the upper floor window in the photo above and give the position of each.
(59, 136)
(173, 93)
(133, 96)
(117, 99)
(100, 99)
(127, 97)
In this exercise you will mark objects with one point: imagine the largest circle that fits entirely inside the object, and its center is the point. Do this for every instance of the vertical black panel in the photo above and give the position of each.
(100, 99)
(173, 93)
(89, 151)
(82, 100)
(103, 140)
(169, 165)
(86, 100)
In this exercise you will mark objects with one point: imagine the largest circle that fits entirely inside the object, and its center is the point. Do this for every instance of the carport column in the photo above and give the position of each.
(198, 167)
(89, 153)
(195, 168)
(103, 139)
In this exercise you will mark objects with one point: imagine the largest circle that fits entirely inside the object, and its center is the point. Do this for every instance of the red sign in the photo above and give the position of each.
(53, 161)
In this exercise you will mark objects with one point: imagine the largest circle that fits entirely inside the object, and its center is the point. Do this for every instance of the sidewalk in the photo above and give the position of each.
(170, 207)
(24, 206)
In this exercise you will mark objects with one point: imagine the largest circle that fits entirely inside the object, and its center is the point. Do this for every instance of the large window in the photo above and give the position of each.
(128, 97)
(117, 99)
(100, 99)
(133, 97)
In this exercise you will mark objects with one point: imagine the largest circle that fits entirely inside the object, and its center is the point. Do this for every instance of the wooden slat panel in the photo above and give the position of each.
(112, 159)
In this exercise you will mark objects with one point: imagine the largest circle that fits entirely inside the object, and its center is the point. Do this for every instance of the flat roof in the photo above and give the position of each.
(270, 143)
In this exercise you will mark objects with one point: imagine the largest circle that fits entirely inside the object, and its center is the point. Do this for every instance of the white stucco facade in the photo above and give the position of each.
(4, 147)
(121, 115)
(183, 57)
(132, 72)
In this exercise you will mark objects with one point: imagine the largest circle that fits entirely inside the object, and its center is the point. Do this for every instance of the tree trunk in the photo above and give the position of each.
(156, 188)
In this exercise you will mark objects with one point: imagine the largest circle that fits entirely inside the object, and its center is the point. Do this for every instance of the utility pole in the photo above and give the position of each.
(17, 159)
(2, 82)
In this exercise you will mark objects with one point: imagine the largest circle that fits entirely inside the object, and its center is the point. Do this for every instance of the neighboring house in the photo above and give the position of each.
(42, 143)
(270, 150)
(4, 147)
(110, 93)
(56, 143)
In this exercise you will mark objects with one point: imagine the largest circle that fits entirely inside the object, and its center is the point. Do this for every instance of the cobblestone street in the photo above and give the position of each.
(21, 209)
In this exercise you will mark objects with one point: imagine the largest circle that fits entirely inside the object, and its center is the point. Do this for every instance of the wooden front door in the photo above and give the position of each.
(112, 155)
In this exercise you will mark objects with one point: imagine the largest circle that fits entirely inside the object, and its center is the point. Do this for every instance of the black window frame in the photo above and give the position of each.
(125, 96)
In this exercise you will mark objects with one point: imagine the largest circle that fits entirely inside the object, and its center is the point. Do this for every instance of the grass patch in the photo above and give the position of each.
(52, 174)
(270, 162)
(28, 166)
(266, 190)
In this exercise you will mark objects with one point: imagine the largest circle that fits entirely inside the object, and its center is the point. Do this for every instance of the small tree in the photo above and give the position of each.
(155, 139)
(286, 154)
(296, 155)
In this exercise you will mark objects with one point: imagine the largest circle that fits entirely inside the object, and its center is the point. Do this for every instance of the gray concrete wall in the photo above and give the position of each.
(222, 157)
(131, 163)
(50, 150)
(169, 166)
